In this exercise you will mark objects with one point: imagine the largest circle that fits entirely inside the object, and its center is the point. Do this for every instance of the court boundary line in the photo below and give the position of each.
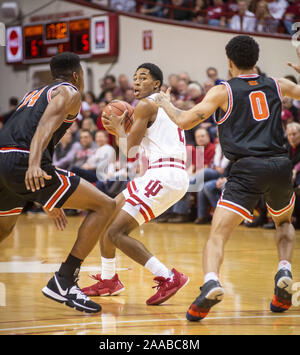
(147, 321)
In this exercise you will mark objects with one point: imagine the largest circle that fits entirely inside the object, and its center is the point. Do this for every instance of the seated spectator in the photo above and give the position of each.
(96, 166)
(195, 93)
(89, 125)
(108, 96)
(216, 14)
(120, 90)
(286, 114)
(86, 111)
(208, 84)
(62, 149)
(182, 90)
(212, 74)
(293, 136)
(293, 108)
(184, 76)
(277, 8)
(13, 104)
(65, 161)
(173, 82)
(214, 180)
(199, 171)
(85, 149)
(264, 21)
(154, 9)
(180, 14)
(75, 131)
(291, 15)
(130, 98)
(244, 20)
(89, 98)
(123, 5)
(199, 11)
(108, 83)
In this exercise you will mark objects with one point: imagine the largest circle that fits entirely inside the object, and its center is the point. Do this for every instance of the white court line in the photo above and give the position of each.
(146, 321)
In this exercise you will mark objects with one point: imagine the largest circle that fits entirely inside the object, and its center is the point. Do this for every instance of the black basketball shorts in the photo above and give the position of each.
(253, 177)
(13, 192)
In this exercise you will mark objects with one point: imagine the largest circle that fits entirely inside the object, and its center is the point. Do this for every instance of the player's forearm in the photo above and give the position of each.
(183, 119)
(38, 144)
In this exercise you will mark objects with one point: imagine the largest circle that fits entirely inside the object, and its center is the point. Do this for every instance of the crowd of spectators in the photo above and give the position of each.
(269, 16)
(90, 152)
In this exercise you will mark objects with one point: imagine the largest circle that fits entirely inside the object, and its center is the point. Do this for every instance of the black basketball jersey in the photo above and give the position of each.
(20, 128)
(252, 124)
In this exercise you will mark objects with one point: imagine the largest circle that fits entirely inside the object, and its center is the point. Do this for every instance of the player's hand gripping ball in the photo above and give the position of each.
(118, 107)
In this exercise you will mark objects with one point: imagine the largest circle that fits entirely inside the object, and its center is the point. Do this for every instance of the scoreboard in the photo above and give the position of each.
(82, 36)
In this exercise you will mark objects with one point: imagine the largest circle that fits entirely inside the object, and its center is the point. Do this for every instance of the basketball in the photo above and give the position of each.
(118, 107)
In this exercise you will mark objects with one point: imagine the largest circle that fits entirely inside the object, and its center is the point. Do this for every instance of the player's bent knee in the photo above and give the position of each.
(114, 235)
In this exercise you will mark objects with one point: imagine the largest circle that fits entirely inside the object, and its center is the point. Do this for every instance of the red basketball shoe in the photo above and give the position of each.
(104, 287)
(166, 288)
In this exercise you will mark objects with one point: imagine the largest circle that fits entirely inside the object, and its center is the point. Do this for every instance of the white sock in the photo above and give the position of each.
(284, 264)
(157, 268)
(211, 276)
(108, 269)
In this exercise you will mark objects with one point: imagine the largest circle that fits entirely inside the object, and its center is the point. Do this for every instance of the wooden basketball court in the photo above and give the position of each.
(35, 250)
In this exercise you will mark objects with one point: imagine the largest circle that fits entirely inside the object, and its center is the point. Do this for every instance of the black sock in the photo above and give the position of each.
(70, 268)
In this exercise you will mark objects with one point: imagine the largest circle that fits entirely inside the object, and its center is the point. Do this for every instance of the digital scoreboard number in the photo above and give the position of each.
(43, 41)
(56, 32)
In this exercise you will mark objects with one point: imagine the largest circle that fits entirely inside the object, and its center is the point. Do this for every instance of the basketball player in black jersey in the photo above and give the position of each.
(27, 142)
(248, 111)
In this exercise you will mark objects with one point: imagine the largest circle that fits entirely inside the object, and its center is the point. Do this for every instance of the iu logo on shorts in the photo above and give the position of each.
(153, 188)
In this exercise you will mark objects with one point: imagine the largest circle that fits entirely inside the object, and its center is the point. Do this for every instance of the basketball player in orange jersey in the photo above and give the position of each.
(146, 197)
(248, 111)
(27, 143)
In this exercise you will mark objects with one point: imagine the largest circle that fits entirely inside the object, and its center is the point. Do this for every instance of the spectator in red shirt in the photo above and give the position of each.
(292, 15)
(216, 14)
(202, 139)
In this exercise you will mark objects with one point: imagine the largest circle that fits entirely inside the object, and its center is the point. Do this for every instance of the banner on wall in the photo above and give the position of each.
(104, 35)
(14, 44)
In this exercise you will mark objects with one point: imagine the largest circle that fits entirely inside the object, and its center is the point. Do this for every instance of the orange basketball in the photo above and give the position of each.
(118, 107)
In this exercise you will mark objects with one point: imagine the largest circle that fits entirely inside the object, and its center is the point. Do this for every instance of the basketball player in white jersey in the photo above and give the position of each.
(146, 197)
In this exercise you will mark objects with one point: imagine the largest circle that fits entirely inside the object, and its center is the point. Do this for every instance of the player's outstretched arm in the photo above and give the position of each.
(65, 101)
(287, 87)
(215, 98)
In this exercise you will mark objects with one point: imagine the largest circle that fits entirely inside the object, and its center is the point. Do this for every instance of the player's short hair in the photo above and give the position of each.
(63, 65)
(154, 71)
(243, 50)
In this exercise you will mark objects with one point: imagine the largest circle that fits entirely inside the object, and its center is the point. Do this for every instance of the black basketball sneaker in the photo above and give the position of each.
(211, 294)
(63, 290)
(282, 299)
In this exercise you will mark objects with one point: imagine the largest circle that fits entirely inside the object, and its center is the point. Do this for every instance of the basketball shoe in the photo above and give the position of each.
(166, 288)
(282, 299)
(211, 294)
(63, 290)
(104, 287)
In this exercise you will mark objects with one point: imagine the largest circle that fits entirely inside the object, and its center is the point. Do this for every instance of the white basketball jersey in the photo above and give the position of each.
(164, 139)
